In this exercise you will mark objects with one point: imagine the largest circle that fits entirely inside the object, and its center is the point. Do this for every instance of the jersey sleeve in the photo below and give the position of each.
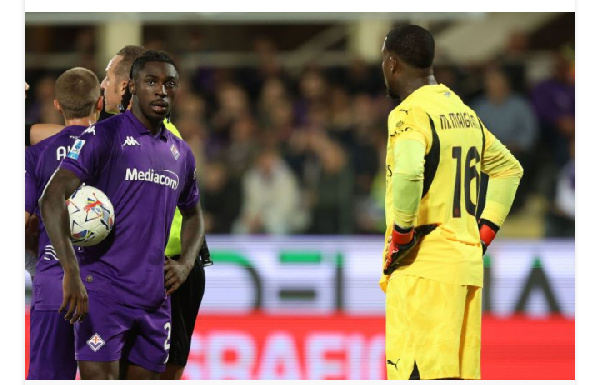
(410, 124)
(30, 180)
(89, 153)
(505, 173)
(189, 197)
(410, 138)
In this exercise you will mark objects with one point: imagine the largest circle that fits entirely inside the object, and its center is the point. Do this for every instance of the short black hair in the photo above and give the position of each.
(150, 56)
(413, 44)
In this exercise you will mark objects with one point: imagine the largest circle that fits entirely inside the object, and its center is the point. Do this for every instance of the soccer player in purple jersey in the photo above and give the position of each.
(146, 172)
(185, 302)
(52, 345)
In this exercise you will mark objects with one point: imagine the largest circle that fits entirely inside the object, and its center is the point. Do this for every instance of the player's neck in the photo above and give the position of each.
(152, 125)
(87, 121)
(415, 83)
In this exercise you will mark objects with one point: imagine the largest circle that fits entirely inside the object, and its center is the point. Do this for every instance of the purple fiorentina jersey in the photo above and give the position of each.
(145, 177)
(41, 160)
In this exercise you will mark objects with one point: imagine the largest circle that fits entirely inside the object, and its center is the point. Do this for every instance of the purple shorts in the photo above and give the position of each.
(52, 346)
(109, 326)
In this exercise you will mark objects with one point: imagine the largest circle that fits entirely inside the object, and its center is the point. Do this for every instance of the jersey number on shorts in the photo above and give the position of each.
(470, 174)
(168, 340)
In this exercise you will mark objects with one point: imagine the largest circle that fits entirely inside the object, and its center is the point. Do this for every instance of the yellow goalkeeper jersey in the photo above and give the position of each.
(457, 149)
(174, 244)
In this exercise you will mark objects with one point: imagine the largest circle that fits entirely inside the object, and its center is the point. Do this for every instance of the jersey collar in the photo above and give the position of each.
(427, 88)
(142, 130)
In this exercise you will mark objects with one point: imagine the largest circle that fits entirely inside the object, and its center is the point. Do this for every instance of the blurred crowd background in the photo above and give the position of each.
(287, 118)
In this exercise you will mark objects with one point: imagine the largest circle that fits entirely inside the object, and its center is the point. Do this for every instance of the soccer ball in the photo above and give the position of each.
(91, 216)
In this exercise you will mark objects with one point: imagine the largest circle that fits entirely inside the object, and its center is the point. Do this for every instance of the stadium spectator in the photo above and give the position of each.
(560, 213)
(193, 126)
(512, 120)
(341, 126)
(270, 198)
(242, 147)
(274, 109)
(42, 109)
(370, 184)
(513, 60)
(218, 187)
(359, 78)
(331, 200)
(364, 154)
(554, 103)
(232, 104)
(253, 78)
(312, 92)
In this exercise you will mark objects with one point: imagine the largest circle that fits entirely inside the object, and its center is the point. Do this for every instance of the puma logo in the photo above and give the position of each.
(389, 362)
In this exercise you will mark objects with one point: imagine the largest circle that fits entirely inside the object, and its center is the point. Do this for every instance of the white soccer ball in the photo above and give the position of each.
(91, 215)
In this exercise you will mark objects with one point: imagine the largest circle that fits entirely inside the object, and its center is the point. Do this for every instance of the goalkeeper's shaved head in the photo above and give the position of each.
(407, 54)
(413, 44)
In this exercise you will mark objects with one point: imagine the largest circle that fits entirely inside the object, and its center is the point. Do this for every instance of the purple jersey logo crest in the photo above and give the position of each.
(175, 151)
(96, 342)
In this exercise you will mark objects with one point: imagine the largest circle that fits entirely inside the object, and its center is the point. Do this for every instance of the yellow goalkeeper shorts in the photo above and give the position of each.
(432, 327)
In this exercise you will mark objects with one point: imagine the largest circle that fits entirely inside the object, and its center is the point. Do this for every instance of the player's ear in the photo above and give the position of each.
(99, 103)
(131, 86)
(57, 105)
(124, 85)
(394, 64)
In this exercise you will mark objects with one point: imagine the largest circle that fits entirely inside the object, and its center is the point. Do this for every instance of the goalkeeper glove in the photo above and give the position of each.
(402, 242)
(487, 233)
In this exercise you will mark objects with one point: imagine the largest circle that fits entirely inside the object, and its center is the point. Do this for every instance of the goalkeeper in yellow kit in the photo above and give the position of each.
(432, 261)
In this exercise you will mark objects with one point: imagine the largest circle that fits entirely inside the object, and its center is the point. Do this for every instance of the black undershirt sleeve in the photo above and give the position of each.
(27, 134)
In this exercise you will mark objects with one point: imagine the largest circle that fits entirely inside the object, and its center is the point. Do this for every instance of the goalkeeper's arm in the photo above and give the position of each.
(407, 179)
(505, 173)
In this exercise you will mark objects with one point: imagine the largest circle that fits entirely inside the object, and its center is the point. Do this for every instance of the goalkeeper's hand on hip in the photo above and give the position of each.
(402, 241)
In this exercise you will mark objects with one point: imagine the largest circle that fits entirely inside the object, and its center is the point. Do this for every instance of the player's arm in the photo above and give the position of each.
(505, 173)
(30, 184)
(32, 234)
(31, 221)
(409, 140)
(86, 159)
(35, 133)
(56, 218)
(192, 229)
(204, 253)
(192, 236)
(407, 179)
